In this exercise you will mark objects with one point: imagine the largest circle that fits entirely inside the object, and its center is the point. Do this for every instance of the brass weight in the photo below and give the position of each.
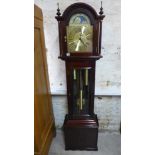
(86, 77)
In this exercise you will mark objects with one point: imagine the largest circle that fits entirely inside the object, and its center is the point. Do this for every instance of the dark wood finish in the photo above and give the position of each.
(81, 134)
(80, 58)
(44, 126)
(80, 130)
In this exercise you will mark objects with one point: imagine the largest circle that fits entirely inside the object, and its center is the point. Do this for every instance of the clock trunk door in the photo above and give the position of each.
(81, 90)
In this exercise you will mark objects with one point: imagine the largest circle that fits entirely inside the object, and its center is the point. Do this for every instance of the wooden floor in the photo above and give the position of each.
(108, 144)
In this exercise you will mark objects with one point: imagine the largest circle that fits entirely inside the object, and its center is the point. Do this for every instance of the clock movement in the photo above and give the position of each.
(80, 31)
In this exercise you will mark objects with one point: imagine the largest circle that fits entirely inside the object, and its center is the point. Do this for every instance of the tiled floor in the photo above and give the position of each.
(108, 144)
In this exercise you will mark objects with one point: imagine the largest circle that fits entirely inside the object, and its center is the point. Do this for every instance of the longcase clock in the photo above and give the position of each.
(80, 30)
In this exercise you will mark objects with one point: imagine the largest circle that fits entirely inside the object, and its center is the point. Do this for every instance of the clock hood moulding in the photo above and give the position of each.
(74, 6)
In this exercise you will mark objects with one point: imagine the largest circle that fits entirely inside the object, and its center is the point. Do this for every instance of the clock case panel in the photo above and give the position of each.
(80, 128)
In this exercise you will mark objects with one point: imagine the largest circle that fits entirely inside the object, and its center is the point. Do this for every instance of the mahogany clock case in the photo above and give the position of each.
(80, 124)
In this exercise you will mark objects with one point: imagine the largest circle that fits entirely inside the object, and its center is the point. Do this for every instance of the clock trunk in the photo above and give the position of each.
(81, 124)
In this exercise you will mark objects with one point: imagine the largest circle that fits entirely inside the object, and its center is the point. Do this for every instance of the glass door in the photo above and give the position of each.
(81, 90)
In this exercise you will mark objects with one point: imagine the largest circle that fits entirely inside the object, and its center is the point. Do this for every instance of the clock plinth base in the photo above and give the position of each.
(81, 134)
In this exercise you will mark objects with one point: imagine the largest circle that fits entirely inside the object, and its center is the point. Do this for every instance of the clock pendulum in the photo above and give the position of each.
(80, 31)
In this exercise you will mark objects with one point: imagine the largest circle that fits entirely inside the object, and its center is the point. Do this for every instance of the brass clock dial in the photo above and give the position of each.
(79, 34)
(79, 38)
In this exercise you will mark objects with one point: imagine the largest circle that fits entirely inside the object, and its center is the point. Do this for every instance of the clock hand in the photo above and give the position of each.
(82, 30)
(83, 42)
(77, 47)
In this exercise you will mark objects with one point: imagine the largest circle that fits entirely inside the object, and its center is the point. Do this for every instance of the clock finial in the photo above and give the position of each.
(101, 10)
(58, 10)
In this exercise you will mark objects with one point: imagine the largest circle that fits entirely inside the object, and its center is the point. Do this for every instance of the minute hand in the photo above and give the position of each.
(83, 42)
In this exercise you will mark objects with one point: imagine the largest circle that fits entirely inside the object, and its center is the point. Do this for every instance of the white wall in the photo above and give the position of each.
(107, 109)
(108, 68)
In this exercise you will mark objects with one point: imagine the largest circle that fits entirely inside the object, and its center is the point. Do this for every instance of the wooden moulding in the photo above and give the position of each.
(80, 57)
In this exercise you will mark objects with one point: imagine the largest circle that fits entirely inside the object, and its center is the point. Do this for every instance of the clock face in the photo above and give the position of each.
(79, 34)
